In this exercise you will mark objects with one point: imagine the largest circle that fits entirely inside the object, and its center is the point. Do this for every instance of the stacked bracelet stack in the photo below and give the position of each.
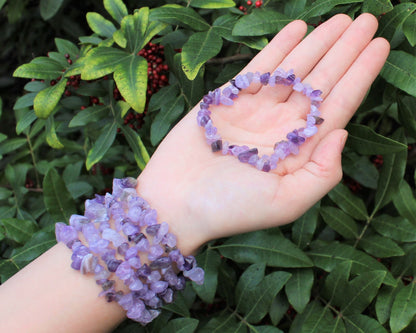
(283, 148)
(139, 251)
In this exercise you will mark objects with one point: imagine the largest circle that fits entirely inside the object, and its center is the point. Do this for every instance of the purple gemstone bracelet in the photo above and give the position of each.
(118, 253)
(283, 148)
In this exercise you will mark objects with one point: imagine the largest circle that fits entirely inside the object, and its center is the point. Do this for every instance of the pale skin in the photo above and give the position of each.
(204, 196)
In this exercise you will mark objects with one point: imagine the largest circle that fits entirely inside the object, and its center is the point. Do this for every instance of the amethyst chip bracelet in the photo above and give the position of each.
(139, 251)
(283, 148)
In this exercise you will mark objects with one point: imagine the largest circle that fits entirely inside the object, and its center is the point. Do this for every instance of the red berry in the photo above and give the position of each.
(249, 2)
(67, 55)
(70, 61)
(258, 3)
(67, 93)
(83, 107)
(53, 82)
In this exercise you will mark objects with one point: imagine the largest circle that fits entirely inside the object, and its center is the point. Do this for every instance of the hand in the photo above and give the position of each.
(205, 195)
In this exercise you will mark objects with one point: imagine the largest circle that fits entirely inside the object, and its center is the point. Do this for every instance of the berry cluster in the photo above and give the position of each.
(249, 3)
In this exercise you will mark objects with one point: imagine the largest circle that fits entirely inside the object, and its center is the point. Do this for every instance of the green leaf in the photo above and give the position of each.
(181, 325)
(380, 247)
(100, 25)
(400, 71)
(223, 323)
(165, 118)
(337, 280)
(101, 61)
(209, 261)
(18, 230)
(363, 324)
(376, 7)
(261, 246)
(391, 174)
(340, 222)
(317, 319)
(407, 114)
(364, 140)
(139, 150)
(88, 115)
(134, 29)
(212, 4)
(42, 68)
(298, 288)
(12, 145)
(35, 86)
(199, 48)
(48, 8)
(294, 8)
(361, 291)
(24, 101)
(327, 257)
(392, 22)
(320, 7)
(260, 22)
(255, 303)
(165, 95)
(348, 202)
(360, 168)
(384, 301)
(264, 329)
(47, 99)
(405, 202)
(66, 47)
(179, 306)
(250, 278)
(131, 79)
(101, 146)
(178, 15)
(28, 118)
(51, 136)
(305, 226)
(397, 228)
(58, 201)
(116, 8)
(404, 308)
(409, 29)
(5, 193)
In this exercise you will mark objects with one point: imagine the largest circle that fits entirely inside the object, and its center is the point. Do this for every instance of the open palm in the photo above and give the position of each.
(210, 195)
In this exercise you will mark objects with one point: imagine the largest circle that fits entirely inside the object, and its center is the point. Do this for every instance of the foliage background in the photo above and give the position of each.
(347, 265)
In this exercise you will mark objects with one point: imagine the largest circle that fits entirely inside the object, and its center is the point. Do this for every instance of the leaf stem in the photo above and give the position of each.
(32, 154)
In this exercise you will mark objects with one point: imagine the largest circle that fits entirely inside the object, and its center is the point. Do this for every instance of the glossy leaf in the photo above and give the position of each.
(261, 246)
(405, 202)
(101, 61)
(66, 47)
(298, 288)
(223, 323)
(116, 8)
(304, 227)
(18, 230)
(407, 114)
(179, 306)
(212, 4)
(397, 228)
(42, 68)
(165, 118)
(181, 325)
(178, 15)
(136, 145)
(320, 7)
(409, 29)
(199, 48)
(48, 8)
(392, 22)
(376, 7)
(11, 145)
(51, 136)
(24, 101)
(337, 280)
(364, 140)
(24, 122)
(260, 22)
(209, 261)
(380, 247)
(391, 173)
(327, 257)
(384, 301)
(100, 25)
(400, 71)
(404, 308)
(47, 99)
(361, 291)
(88, 115)
(317, 319)
(362, 324)
(255, 302)
(165, 95)
(134, 29)
(340, 222)
(349, 203)
(131, 80)
(58, 201)
(264, 329)
(294, 8)
(360, 169)
(101, 146)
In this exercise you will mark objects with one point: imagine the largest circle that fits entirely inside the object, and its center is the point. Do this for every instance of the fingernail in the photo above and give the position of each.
(342, 141)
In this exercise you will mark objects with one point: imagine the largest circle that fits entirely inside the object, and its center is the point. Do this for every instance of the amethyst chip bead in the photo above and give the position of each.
(283, 148)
